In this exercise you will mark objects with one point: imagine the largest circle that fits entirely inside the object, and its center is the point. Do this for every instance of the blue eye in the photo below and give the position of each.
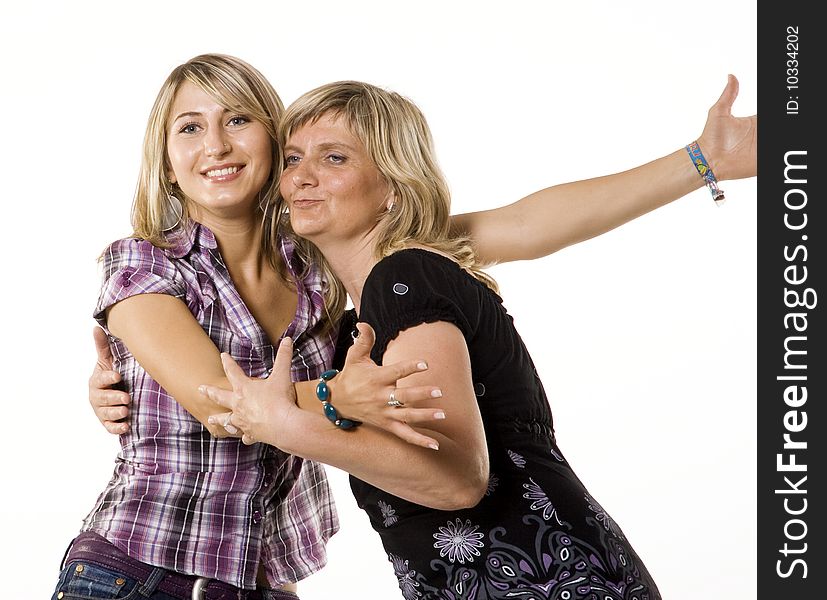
(239, 120)
(336, 158)
(291, 160)
(189, 128)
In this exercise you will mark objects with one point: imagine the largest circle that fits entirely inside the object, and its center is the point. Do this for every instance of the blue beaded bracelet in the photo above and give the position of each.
(323, 394)
(705, 171)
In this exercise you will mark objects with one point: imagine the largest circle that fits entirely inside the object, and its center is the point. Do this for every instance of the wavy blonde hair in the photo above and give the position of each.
(236, 86)
(398, 140)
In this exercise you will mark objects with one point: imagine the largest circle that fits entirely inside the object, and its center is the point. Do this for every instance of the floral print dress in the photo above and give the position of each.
(537, 533)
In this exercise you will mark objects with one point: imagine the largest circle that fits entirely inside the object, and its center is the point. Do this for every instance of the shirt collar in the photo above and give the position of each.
(186, 237)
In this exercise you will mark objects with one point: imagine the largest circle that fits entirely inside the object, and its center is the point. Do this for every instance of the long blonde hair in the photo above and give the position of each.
(235, 85)
(398, 140)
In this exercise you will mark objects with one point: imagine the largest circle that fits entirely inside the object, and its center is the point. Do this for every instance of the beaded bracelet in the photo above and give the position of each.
(705, 171)
(323, 394)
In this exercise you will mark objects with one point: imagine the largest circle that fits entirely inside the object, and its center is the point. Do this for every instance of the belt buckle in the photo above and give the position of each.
(199, 588)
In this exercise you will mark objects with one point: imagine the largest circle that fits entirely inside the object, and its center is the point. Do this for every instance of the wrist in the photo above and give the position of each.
(704, 169)
(324, 394)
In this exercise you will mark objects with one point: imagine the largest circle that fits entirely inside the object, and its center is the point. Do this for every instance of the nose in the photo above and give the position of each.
(303, 174)
(216, 142)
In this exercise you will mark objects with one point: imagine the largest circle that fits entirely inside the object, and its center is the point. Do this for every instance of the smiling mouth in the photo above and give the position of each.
(226, 171)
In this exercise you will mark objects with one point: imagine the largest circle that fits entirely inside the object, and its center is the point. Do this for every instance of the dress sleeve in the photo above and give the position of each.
(132, 267)
(412, 287)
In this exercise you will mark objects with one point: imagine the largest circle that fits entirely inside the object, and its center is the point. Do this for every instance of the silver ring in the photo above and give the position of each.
(393, 401)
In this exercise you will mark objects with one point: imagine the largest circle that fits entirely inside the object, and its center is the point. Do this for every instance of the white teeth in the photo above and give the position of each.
(222, 172)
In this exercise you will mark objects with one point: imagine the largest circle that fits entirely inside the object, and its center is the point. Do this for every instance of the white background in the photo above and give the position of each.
(645, 337)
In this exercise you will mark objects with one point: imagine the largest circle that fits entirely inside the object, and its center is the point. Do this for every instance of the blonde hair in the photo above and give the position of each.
(236, 86)
(398, 140)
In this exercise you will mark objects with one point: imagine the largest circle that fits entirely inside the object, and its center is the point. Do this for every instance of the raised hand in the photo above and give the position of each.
(730, 143)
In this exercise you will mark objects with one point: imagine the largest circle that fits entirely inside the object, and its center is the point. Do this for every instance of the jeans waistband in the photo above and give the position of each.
(93, 548)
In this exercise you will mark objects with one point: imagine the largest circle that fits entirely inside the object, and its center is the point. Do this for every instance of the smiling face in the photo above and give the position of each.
(219, 158)
(334, 190)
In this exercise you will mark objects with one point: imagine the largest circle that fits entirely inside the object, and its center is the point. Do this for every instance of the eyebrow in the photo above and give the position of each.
(323, 146)
(187, 114)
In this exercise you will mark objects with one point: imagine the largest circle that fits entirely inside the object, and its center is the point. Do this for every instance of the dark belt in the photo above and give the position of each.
(92, 548)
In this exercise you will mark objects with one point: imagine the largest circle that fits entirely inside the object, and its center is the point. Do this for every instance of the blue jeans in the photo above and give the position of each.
(91, 582)
(87, 581)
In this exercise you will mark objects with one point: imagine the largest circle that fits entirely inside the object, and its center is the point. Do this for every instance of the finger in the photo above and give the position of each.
(222, 397)
(102, 380)
(247, 440)
(725, 102)
(399, 370)
(362, 345)
(411, 395)
(234, 373)
(223, 420)
(100, 398)
(102, 348)
(116, 428)
(410, 415)
(112, 413)
(408, 434)
(284, 359)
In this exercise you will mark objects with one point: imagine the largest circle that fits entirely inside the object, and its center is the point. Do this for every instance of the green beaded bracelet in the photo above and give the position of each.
(323, 394)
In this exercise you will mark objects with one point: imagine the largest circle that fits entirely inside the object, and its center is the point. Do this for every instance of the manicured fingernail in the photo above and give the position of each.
(422, 365)
(439, 415)
(436, 394)
(230, 429)
(212, 420)
(433, 446)
(202, 389)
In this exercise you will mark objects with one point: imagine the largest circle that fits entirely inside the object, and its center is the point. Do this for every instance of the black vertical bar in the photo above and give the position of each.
(792, 364)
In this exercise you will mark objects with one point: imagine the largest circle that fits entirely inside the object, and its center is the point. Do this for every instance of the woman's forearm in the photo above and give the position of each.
(559, 216)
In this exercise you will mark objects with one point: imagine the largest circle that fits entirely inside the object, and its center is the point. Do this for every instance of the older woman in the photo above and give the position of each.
(493, 510)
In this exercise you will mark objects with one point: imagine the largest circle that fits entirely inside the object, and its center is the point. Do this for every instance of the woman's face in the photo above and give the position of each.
(219, 158)
(333, 189)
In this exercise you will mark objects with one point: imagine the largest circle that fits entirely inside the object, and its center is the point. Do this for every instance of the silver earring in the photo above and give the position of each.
(172, 216)
(392, 206)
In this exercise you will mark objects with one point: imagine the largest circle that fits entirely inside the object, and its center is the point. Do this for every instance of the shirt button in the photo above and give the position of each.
(256, 516)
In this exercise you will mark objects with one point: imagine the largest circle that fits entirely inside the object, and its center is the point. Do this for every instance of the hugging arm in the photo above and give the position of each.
(451, 478)
(566, 214)
(172, 347)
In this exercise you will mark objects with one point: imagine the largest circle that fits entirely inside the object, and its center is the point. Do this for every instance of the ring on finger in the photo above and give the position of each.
(393, 401)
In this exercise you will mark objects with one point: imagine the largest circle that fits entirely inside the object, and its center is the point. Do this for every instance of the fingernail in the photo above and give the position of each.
(202, 389)
(439, 415)
(436, 394)
(212, 420)
(230, 429)
(422, 365)
(433, 446)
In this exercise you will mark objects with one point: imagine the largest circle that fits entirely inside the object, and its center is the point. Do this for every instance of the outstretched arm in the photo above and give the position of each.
(565, 214)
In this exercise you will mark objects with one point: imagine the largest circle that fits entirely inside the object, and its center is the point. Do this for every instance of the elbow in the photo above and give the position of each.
(466, 492)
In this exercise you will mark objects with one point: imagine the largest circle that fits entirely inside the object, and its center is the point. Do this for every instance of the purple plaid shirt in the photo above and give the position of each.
(179, 498)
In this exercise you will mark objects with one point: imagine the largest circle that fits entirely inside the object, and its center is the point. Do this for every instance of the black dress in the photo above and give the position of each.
(537, 533)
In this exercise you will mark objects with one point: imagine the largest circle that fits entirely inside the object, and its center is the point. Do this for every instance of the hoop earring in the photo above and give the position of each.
(172, 217)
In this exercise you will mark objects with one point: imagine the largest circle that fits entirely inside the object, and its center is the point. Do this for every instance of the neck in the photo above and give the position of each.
(351, 261)
(239, 240)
